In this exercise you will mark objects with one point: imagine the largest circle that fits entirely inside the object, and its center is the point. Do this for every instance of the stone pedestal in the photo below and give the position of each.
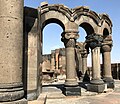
(107, 75)
(11, 50)
(72, 91)
(109, 81)
(96, 87)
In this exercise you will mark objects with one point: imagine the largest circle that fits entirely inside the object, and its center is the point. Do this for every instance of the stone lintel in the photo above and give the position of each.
(72, 91)
(96, 88)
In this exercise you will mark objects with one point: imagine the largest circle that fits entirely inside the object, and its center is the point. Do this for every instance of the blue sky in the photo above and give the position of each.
(52, 32)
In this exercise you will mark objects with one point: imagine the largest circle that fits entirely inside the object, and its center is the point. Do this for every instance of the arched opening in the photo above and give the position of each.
(82, 34)
(105, 33)
(51, 35)
(51, 39)
(85, 29)
(88, 28)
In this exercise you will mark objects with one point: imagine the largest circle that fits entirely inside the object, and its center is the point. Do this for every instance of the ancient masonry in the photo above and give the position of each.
(21, 48)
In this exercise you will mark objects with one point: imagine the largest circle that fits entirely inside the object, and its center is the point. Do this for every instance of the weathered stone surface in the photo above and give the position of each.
(22, 101)
(96, 88)
(110, 82)
(11, 50)
(72, 91)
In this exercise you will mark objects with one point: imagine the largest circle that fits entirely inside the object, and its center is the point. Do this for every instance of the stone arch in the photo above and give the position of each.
(105, 33)
(105, 25)
(87, 27)
(59, 14)
(106, 28)
(84, 14)
(88, 24)
(52, 20)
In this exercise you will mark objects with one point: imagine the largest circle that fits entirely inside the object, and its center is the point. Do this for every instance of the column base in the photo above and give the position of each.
(96, 88)
(11, 92)
(110, 82)
(72, 91)
(22, 101)
(96, 85)
(97, 81)
(71, 83)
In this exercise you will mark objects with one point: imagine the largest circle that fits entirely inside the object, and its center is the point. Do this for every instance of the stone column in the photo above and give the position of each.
(80, 62)
(71, 78)
(96, 76)
(84, 63)
(11, 49)
(107, 75)
(70, 62)
(84, 67)
(52, 64)
(96, 84)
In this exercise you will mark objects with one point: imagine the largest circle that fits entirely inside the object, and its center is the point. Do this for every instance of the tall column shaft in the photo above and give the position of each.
(96, 84)
(84, 64)
(107, 64)
(70, 68)
(96, 63)
(96, 76)
(11, 48)
(107, 75)
(80, 63)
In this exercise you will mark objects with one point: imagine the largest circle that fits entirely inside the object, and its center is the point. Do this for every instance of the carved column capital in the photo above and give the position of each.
(107, 45)
(94, 40)
(106, 48)
(70, 34)
(69, 38)
(69, 42)
(94, 45)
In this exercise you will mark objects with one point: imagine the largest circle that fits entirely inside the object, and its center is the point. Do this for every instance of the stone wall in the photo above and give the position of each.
(32, 54)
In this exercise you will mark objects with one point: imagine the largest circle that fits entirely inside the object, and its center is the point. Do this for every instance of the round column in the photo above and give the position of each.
(11, 48)
(107, 75)
(96, 76)
(95, 41)
(80, 63)
(84, 63)
(70, 63)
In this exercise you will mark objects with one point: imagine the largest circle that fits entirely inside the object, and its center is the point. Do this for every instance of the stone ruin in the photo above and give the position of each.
(21, 48)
